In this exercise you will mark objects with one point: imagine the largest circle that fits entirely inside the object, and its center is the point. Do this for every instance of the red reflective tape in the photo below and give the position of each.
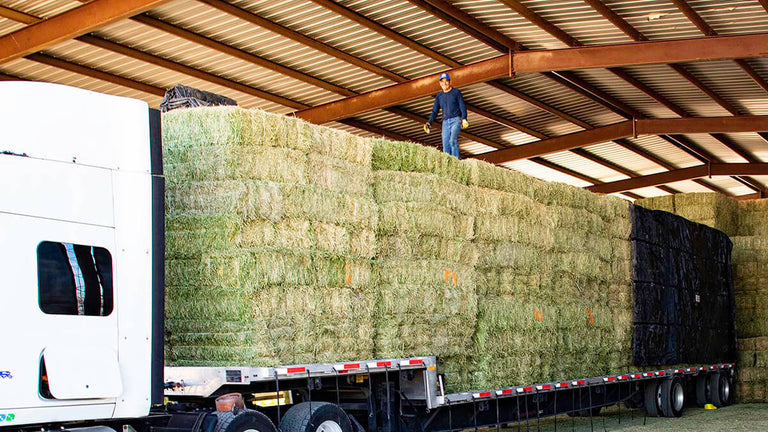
(611, 378)
(636, 376)
(352, 366)
(527, 389)
(506, 391)
(563, 384)
(383, 364)
(546, 387)
(484, 394)
(582, 382)
(415, 362)
(625, 377)
(660, 373)
(343, 371)
(296, 369)
(714, 367)
(679, 371)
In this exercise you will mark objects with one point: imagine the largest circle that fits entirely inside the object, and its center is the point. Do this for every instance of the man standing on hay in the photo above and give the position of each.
(451, 102)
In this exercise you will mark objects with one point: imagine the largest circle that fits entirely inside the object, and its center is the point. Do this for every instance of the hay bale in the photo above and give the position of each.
(490, 176)
(407, 187)
(425, 247)
(752, 215)
(423, 219)
(412, 157)
(663, 202)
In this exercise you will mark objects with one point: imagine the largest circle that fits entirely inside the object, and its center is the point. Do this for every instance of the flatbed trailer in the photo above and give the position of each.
(407, 394)
(91, 359)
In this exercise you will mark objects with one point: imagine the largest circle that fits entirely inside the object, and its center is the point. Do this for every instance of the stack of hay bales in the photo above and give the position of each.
(753, 369)
(424, 266)
(745, 223)
(750, 269)
(270, 234)
(554, 280)
(293, 243)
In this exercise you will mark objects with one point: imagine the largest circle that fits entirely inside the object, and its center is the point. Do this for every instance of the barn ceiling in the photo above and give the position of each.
(633, 97)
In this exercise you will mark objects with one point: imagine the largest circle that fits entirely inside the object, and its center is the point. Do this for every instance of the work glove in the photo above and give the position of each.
(464, 123)
(427, 128)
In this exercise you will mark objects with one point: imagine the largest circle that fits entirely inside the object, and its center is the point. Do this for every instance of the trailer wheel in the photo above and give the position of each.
(243, 421)
(315, 417)
(702, 390)
(652, 397)
(672, 397)
(719, 390)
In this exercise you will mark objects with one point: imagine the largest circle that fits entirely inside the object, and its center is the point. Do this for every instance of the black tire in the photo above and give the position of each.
(242, 421)
(720, 390)
(650, 395)
(309, 416)
(702, 390)
(672, 397)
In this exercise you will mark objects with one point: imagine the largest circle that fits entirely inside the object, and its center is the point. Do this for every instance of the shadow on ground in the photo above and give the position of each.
(736, 418)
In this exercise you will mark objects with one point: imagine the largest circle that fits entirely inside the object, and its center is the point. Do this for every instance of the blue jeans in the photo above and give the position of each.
(451, 128)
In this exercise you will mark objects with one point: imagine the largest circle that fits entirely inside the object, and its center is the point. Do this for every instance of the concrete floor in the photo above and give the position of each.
(737, 418)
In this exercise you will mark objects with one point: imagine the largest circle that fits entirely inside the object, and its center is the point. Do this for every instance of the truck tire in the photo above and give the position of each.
(651, 396)
(672, 397)
(243, 421)
(315, 417)
(702, 390)
(719, 390)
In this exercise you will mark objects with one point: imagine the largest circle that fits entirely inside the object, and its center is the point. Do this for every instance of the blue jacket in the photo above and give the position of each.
(452, 104)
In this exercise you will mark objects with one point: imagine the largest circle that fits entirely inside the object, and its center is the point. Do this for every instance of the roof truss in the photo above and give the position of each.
(695, 172)
(68, 25)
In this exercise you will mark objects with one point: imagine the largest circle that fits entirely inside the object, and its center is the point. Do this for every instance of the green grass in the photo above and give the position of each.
(736, 418)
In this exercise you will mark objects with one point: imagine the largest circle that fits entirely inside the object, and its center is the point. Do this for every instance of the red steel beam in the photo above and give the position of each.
(756, 195)
(470, 25)
(94, 73)
(398, 93)
(542, 23)
(190, 71)
(547, 60)
(558, 144)
(642, 53)
(696, 172)
(616, 20)
(240, 54)
(693, 125)
(624, 129)
(18, 16)
(68, 25)
(300, 38)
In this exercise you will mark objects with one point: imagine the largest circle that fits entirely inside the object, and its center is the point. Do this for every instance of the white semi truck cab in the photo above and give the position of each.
(76, 228)
(82, 304)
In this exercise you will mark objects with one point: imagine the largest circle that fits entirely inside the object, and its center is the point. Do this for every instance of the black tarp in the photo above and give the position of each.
(180, 96)
(683, 290)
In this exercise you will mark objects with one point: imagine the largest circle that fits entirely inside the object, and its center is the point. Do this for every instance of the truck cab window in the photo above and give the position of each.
(74, 279)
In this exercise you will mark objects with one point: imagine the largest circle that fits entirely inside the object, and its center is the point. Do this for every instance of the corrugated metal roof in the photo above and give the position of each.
(656, 19)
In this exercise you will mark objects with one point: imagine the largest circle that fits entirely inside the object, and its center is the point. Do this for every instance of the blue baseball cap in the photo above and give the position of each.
(443, 76)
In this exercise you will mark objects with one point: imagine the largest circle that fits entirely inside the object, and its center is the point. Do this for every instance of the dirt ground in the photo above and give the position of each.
(736, 418)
